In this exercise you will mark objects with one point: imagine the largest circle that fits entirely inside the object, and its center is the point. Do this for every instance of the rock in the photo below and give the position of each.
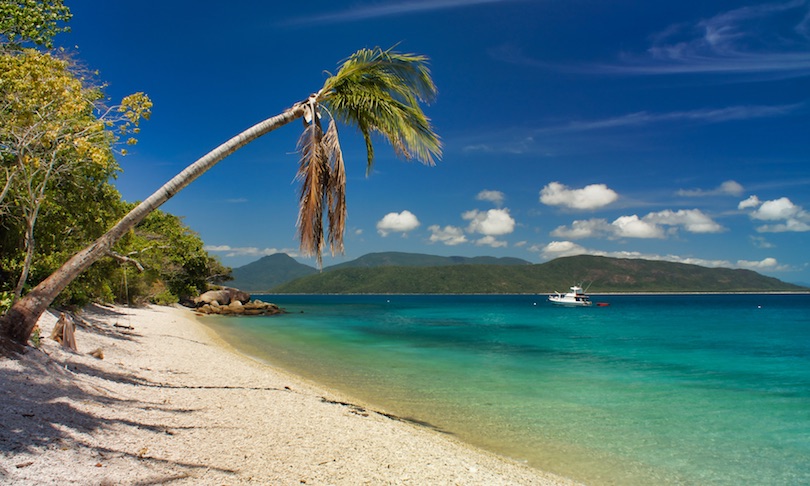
(237, 307)
(223, 296)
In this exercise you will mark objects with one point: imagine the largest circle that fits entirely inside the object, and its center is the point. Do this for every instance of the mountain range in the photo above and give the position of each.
(395, 272)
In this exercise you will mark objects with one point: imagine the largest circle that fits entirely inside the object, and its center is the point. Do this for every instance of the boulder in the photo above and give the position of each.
(236, 307)
(254, 308)
(224, 296)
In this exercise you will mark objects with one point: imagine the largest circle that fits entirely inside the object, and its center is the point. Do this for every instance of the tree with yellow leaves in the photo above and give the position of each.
(52, 124)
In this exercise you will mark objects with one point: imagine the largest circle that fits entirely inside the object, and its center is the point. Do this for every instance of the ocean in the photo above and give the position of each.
(652, 389)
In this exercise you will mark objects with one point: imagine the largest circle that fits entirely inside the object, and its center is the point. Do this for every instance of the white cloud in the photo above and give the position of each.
(692, 220)
(490, 241)
(386, 9)
(449, 235)
(590, 228)
(789, 217)
(765, 38)
(397, 223)
(790, 226)
(589, 197)
(761, 242)
(253, 251)
(751, 202)
(732, 188)
(765, 264)
(727, 188)
(633, 227)
(650, 226)
(495, 197)
(494, 222)
(557, 249)
(217, 248)
(776, 210)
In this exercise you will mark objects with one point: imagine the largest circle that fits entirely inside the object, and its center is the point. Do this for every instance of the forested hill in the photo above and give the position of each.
(602, 273)
(268, 272)
(273, 270)
(394, 258)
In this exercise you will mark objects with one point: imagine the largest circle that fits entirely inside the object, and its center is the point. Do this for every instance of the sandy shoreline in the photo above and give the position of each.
(171, 404)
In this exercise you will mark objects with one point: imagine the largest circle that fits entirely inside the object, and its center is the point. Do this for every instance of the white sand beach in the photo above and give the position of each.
(170, 403)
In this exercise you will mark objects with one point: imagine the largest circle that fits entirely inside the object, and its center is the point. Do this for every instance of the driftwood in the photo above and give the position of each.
(64, 332)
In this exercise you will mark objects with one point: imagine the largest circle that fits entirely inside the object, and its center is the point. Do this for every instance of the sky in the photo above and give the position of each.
(672, 130)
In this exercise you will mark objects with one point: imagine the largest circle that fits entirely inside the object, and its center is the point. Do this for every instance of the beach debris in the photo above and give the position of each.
(97, 353)
(64, 332)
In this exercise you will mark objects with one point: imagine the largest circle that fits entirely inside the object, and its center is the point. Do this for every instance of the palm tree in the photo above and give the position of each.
(378, 91)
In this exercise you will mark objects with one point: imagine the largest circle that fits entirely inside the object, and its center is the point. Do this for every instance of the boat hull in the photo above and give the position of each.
(569, 303)
(575, 298)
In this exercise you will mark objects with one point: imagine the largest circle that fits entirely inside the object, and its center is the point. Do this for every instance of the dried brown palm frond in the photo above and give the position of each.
(313, 173)
(336, 192)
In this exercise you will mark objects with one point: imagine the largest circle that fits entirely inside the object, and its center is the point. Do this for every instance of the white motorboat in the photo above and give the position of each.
(576, 298)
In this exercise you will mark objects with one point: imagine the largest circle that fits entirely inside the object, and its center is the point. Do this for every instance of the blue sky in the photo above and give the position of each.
(672, 130)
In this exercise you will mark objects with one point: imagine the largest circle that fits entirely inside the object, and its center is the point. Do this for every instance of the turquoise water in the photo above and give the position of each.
(671, 389)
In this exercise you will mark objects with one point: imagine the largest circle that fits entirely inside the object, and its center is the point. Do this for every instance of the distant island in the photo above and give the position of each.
(414, 273)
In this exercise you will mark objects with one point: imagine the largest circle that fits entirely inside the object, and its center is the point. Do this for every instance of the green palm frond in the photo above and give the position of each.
(379, 91)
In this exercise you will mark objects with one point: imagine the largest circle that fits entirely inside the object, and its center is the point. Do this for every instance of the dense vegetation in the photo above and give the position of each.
(59, 143)
(601, 273)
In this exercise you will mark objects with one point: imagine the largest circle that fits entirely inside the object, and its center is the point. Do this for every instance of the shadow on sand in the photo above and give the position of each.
(37, 393)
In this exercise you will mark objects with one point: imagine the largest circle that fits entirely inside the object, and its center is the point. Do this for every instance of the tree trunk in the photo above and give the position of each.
(21, 318)
(29, 256)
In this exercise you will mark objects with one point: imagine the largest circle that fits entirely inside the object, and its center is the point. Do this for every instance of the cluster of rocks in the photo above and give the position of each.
(229, 301)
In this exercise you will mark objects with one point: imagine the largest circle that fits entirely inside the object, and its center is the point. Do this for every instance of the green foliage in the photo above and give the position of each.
(165, 298)
(36, 21)
(379, 91)
(36, 337)
(6, 299)
(57, 144)
(57, 148)
(176, 265)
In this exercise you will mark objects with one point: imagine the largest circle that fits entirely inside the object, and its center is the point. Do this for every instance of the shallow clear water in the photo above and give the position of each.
(671, 389)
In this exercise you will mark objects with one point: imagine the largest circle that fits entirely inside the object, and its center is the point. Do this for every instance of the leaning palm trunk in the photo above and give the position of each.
(378, 91)
(21, 318)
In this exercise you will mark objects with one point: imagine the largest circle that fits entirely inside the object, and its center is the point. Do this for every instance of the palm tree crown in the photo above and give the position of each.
(378, 91)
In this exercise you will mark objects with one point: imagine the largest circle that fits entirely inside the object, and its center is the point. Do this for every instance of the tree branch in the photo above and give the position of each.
(126, 259)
